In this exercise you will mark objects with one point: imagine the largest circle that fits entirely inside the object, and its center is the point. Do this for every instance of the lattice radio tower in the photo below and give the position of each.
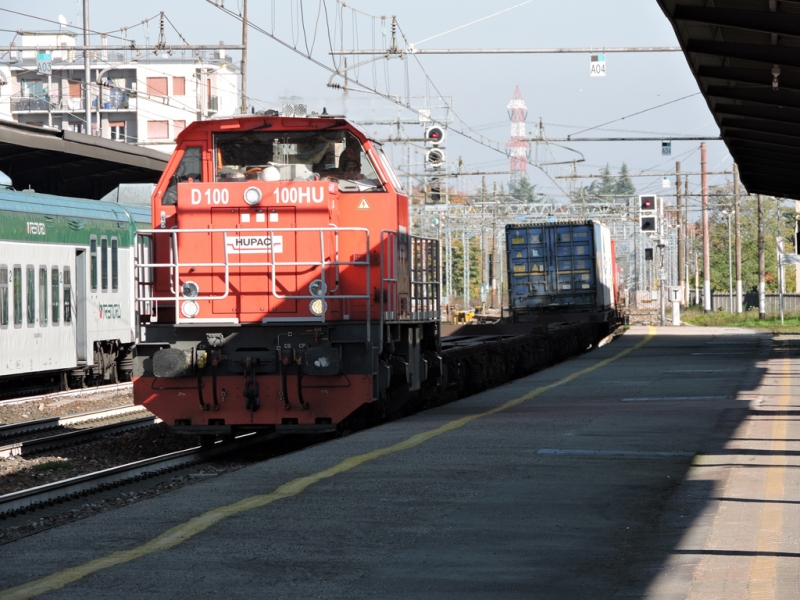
(518, 149)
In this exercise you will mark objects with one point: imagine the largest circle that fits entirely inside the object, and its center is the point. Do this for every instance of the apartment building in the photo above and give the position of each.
(139, 98)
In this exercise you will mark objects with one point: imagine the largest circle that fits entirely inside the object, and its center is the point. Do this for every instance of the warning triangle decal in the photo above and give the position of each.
(519, 255)
(363, 205)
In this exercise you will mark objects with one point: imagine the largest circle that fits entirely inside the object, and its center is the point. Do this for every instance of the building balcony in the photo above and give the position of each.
(113, 103)
(213, 104)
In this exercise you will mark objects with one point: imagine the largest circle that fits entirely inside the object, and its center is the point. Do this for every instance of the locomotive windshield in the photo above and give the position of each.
(295, 156)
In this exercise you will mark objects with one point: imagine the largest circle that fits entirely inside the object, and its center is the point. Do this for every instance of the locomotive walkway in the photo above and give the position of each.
(659, 466)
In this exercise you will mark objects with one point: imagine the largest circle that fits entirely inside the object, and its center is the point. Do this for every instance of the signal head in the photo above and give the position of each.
(647, 202)
(434, 135)
(434, 158)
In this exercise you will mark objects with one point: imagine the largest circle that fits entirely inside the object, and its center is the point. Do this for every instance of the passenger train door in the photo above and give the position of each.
(79, 305)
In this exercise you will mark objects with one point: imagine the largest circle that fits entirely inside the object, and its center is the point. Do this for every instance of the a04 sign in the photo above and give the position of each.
(597, 65)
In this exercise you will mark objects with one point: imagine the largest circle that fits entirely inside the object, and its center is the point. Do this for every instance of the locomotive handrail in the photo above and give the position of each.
(175, 265)
(425, 283)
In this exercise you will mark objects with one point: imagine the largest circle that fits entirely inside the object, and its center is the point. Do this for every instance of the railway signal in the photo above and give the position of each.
(648, 214)
(434, 135)
(434, 158)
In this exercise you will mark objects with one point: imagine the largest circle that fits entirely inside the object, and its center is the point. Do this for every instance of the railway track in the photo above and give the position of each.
(82, 485)
(58, 440)
(82, 393)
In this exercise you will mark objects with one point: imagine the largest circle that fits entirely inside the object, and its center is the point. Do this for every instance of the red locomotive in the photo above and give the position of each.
(279, 286)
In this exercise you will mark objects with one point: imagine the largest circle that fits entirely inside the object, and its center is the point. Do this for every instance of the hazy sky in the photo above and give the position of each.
(556, 88)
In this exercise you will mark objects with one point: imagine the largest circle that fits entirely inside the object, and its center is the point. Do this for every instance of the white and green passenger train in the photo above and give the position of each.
(66, 303)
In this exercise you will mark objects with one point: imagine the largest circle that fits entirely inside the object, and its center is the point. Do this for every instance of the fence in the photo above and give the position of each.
(791, 302)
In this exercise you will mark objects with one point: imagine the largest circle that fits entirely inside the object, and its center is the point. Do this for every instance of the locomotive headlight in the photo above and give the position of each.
(317, 288)
(190, 289)
(189, 309)
(252, 196)
(317, 307)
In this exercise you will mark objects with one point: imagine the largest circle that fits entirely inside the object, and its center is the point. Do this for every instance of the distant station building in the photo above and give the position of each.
(137, 97)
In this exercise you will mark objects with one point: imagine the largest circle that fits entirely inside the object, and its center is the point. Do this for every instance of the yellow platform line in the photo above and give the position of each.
(761, 580)
(180, 533)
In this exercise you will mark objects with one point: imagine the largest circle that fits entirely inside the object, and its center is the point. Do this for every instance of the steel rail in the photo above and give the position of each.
(56, 441)
(25, 427)
(74, 487)
(70, 393)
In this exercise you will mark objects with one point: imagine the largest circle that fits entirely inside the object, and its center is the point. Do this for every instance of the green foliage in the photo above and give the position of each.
(778, 221)
(696, 316)
(52, 465)
(458, 270)
(600, 189)
(521, 190)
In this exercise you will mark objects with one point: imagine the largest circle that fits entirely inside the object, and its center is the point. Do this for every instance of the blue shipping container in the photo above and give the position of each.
(554, 266)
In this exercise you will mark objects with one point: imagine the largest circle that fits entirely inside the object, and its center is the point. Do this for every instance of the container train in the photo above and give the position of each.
(66, 304)
(563, 271)
(280, 287)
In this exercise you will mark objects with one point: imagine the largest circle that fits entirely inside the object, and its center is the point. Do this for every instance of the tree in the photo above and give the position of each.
(603, 189)
(521, 190)
(778, 222)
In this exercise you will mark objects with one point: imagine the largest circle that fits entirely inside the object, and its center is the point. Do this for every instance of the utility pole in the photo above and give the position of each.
(706, 245)
(762, 286)
(87, 71)
(678, 191)
(244, 58)
(737, 225)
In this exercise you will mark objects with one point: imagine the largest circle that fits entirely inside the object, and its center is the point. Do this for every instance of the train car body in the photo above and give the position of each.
(279, 285)
(561, 271)
(66, 304)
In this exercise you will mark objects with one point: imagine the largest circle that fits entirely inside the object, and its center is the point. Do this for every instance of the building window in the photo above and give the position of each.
(75, 89)
(157, 86)
(104, 264)
(30, 282)
(117, 130)
(178, 86)
(17, 283)
(54, 294)
(4, 296)
(158, 130)
(75, 126)
(67, 296)
(31, 88)
(177, 127)
(93, 262)
(114, 264)
(42, 296)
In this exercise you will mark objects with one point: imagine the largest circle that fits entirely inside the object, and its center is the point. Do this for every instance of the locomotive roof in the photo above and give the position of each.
(248, 122)
(46, 204)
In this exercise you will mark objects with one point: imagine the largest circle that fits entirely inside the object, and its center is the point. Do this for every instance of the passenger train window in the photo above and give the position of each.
(93, 262)
(43, 296)
(67, 297)
(30, 290)
(54, 294)
(4, 296)
(104, 264)
(17, 283)
(190, 167)
(114, 264)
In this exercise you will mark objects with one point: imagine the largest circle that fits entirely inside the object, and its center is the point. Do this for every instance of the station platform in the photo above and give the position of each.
(663, 465)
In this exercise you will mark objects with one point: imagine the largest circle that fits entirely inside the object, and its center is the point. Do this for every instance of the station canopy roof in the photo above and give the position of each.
(65, 163)
(745, 55)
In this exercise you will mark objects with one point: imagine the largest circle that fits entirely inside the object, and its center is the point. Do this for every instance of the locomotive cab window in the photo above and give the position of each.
(190, 167)
(295, 156)
(104, 264)
(93, 262)
(43, 296)
(67, 296)
(3, 296)
(17, 283)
